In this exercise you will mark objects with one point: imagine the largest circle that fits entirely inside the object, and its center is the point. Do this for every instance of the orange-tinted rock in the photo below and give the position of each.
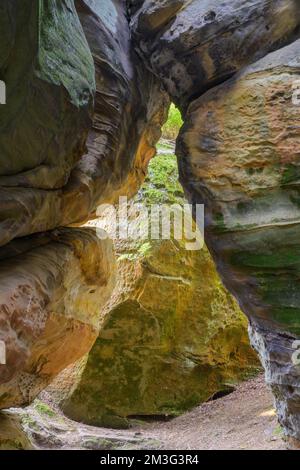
(172, 336)
(51, 294)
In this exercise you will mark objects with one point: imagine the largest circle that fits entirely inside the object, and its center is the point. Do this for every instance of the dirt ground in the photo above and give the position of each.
(245, 419)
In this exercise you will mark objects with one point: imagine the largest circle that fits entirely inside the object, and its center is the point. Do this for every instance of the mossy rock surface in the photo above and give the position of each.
(172, 336)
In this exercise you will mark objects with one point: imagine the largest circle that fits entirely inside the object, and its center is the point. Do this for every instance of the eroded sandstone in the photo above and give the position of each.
(171, 337)
(84, 109)
(192, 45)
(51, 294)
(238, 154)
(58, 97)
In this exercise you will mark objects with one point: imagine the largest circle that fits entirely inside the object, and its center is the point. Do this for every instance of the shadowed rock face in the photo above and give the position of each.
(192, 45)
(239, 154)
(49, 74)
(80, 125)
(46, 177)
(130, 108)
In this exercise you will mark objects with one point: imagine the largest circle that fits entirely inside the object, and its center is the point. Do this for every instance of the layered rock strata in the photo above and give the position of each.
(77, 78)
(84, 109)
(52, 289)
(80, 124)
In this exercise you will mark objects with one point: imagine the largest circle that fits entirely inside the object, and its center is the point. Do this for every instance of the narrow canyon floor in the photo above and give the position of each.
(245, 419)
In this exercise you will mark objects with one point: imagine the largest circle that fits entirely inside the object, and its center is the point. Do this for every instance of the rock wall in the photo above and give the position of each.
(76, 79)
(81, 121)
(84, 111)
(52, 289)
(192, 45)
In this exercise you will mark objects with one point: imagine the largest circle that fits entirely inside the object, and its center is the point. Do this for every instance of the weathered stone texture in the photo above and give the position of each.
(192, 45)
(51, 295)
(239, 155)
(172, 336)
(46, 177)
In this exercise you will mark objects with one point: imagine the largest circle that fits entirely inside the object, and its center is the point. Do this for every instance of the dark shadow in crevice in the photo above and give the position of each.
(222, 393)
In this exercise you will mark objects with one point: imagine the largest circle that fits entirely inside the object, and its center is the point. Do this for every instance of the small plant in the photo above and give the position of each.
(44, 409)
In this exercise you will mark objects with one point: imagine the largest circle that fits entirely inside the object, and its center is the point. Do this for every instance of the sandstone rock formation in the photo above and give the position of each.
(71, 77)
(51, 293)
(172, 336)
(193, 45)
(130, 108)
(238, 154)
(50, 81)
(46, 177)
(79, 75)
(41, 426)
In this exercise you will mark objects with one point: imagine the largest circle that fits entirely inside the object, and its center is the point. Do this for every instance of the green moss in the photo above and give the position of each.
(278, 431)
(171, 129)
(171, 342)
(219, 222)
(162, 185)
(145, 249)
(11, 444)
(291, 173)
(27, 420)
(44, 409)
(282, 258)
(64, 55)
(128, 256)
(287, 316)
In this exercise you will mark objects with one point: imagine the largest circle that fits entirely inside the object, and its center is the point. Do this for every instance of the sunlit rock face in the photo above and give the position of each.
(71, 75)
(239, 155)
(84, 111)
(172, 336)
(192, 45)
(52, 289)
